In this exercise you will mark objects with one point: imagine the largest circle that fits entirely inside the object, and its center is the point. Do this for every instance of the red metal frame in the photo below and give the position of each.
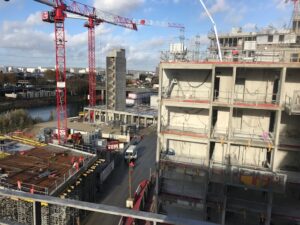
(92, 61)
(61, 91)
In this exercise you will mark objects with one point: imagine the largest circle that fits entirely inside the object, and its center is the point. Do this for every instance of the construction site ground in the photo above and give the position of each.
(39, 167)
(80, 126)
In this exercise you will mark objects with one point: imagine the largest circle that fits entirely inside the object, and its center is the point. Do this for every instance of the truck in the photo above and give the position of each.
(130, 153)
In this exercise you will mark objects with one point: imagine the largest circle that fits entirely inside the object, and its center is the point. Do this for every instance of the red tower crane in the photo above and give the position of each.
(95, 17)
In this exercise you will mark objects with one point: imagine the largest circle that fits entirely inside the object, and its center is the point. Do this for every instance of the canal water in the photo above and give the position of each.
(45, 112)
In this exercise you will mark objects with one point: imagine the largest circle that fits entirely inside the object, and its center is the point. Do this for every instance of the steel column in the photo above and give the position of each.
(61, 91)
(92, 68)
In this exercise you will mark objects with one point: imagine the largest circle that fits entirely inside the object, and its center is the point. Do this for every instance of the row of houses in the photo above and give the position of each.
(31, 94)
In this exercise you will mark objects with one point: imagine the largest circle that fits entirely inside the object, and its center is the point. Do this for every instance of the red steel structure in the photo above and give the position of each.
(92, 59)
(95, 17)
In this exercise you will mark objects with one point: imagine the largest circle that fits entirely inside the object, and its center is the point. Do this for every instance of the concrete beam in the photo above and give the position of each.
(101, 208)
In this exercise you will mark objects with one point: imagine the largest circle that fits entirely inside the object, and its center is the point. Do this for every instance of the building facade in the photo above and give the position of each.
(228, 142)
(116, 80)
(264, 45)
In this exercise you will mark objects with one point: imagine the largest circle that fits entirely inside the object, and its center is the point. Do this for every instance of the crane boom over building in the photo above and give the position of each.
(91, 12)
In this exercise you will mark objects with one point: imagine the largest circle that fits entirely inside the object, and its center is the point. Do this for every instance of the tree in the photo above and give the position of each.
(154, 80)
(143, 77)
(50, 75)
(10, 78)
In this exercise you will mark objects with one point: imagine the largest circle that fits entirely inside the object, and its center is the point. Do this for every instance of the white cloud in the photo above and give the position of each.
(121, 7)
(218, 6)
(34, 19)
(22, 45)
(281, 4)
(236, 14)
(233, 11)
(250, 26)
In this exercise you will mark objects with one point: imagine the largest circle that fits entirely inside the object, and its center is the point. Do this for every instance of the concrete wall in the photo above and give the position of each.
(251, 121)
(186, 149)
(244, 155)
(188, 118)
(225, 86)
(191, 83)
(289, 126)
(288, 38)
(287, 160)
(258, 84)
(222, 119)
(292, 83)
(239, 155)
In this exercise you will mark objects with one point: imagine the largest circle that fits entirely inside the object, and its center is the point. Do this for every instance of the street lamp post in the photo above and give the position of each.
(130, 200)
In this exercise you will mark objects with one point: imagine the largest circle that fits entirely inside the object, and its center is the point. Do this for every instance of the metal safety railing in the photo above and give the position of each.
(251, 136)
(93, 207)
(187, 94)
(255, 98)
(228, 56)
(245, 97)
(183, 159)
(185, 129)
(26, 187)
(220, 132)
(67, 176)
(222, 96)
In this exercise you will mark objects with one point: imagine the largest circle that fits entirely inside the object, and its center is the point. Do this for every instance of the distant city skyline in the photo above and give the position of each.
(27, 41)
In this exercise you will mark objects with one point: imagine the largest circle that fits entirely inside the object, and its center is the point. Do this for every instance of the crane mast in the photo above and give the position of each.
(61, 90)
(92, 61)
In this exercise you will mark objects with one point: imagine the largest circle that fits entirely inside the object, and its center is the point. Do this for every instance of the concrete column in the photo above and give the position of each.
(37, 214)
(223, 218)
(210, 113)
(145, 121)
(278, 117)
(159, 137)
(106, 117)
(89, 116)
(231, 102)
(269, 209)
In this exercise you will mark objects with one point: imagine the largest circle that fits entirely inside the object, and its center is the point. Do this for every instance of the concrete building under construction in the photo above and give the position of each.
(49, 170)
(262, 45)
(116, 80)
(228, 142)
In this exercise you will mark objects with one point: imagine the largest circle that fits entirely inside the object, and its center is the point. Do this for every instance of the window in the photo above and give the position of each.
(294, 57)
(298, 40)
(281, 38)
(270, 38)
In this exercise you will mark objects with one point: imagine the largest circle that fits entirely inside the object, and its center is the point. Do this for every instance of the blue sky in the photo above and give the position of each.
(26, 41)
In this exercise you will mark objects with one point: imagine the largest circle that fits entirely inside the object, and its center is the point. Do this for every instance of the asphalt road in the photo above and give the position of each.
(115, 191)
